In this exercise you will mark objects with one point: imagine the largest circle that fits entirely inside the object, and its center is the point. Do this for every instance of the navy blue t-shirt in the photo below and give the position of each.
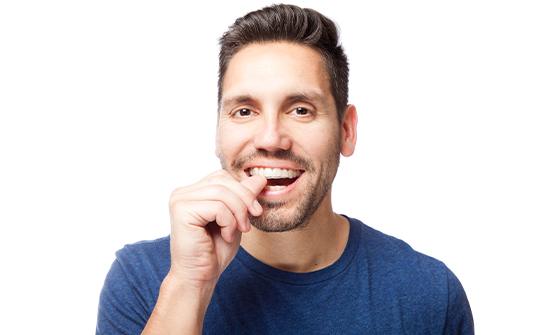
(379, 285)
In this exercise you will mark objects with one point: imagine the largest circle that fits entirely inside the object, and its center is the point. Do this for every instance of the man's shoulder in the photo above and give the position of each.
(393, 257)
(146, 255)
(132, 285)
(403, 278)
(145, 248)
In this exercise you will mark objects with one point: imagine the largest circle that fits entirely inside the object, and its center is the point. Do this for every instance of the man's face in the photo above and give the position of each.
(277, 111)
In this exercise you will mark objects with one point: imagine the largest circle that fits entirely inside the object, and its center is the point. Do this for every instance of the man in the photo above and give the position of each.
(256, 248)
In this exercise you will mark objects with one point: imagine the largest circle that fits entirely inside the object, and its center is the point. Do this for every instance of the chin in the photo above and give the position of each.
(276, 219)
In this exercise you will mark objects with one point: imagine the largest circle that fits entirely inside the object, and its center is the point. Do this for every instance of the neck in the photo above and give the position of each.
(316, 246)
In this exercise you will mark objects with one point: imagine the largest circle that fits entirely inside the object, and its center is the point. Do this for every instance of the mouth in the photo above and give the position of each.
(279, 181)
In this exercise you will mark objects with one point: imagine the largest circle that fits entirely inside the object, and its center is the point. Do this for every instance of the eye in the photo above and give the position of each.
(302, 111)
(242, 113)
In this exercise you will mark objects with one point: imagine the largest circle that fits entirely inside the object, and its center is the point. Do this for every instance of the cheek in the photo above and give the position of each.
(318, 144)
(230, 141)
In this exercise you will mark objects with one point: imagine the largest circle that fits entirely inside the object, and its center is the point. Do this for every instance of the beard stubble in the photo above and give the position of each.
(287, 216)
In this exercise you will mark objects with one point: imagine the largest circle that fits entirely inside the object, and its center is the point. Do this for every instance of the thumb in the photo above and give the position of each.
(255, 184)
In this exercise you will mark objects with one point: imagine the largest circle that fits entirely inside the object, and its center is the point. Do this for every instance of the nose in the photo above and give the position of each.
(272, 136)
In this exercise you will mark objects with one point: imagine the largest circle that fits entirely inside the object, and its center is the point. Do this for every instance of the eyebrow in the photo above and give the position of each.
(314, 96)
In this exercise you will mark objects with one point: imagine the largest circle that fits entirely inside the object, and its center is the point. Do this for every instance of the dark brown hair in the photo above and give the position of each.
(294, 24)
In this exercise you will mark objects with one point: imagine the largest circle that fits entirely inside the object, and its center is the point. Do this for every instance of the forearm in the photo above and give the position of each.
(180, 308)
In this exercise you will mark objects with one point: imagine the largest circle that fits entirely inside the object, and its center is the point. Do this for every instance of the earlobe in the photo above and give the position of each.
(349, 131)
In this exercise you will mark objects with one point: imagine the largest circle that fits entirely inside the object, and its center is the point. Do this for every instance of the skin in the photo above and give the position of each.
(268, 123)
(211, 218)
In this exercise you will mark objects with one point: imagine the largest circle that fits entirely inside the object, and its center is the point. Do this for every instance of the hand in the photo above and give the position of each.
(207, 220)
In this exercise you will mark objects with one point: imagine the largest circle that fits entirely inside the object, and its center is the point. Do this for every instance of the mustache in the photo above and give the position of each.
(287, 155)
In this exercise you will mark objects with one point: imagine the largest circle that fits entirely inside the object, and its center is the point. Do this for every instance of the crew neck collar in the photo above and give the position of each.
(305, 278)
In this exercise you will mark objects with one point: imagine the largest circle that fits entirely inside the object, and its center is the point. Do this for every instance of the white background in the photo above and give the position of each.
(107, 106)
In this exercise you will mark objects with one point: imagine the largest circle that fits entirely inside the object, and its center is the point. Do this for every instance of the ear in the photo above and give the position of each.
(349, 131)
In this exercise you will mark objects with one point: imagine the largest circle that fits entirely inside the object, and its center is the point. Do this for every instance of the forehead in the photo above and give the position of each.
(275, 69)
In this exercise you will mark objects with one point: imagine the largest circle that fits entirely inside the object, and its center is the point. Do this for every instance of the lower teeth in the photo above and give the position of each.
(275, 188)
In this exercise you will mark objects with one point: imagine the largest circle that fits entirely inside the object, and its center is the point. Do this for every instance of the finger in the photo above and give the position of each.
(255, 184)
(216, 233)
(227, 222)
(219, 193)
(219, 215)
(248, 189)
(202, 212)
(248, 192)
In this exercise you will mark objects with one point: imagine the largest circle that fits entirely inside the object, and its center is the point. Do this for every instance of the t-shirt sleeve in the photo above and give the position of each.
(459, 316)
(121, 308)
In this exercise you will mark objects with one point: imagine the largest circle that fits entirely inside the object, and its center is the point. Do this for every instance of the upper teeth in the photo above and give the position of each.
(270, 173)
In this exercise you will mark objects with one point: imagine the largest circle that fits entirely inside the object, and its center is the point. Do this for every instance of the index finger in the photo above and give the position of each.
(247, 189)
(253, 185)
